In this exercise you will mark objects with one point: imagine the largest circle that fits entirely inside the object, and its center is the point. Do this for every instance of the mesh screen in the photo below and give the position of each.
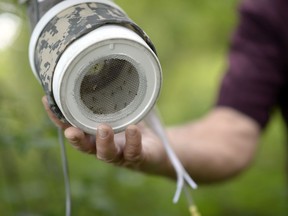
(109, 86)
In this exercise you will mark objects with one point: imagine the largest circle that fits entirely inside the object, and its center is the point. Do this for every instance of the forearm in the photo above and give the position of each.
(217, 146)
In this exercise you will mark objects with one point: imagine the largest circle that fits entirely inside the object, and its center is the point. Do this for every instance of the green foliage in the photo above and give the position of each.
(191, 37)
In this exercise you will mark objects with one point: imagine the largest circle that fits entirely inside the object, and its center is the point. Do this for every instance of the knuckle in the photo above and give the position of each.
(133, 152)
(108, 158)
(132, 157)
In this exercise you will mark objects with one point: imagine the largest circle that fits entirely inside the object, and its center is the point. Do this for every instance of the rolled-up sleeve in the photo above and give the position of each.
(256, 70)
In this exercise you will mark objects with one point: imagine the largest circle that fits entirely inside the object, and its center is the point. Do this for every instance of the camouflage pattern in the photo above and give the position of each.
(66, 27)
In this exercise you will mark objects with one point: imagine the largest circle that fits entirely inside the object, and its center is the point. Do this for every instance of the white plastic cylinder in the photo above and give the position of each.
(109, 40)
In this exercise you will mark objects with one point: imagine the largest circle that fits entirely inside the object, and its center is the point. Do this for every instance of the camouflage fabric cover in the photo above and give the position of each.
(65, 28)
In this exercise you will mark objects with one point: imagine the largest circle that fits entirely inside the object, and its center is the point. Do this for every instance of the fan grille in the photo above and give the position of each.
(111, 85)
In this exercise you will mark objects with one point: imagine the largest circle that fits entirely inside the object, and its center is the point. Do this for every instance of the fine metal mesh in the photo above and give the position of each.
(109, 86)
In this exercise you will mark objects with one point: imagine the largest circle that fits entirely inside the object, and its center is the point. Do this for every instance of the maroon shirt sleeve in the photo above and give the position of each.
(256, 71)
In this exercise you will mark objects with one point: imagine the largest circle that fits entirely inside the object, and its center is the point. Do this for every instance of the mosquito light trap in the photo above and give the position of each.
(97, 66)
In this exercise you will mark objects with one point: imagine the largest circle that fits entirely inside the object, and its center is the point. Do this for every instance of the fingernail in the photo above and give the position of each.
(44, 100)
(71, 135)
(71, 138)
(131, 131)
(102, 132)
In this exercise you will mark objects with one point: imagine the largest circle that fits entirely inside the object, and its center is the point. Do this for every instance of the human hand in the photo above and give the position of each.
(136, 148)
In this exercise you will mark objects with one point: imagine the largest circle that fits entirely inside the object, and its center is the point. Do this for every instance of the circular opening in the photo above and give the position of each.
(109, 85)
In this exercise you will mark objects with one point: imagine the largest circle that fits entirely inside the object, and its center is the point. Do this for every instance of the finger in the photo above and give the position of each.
(133, 149)
(80, 140)
(106, 148)
(52, 116)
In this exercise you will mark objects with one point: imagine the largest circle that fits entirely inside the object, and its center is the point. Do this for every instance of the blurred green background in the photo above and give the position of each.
(192, 38)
